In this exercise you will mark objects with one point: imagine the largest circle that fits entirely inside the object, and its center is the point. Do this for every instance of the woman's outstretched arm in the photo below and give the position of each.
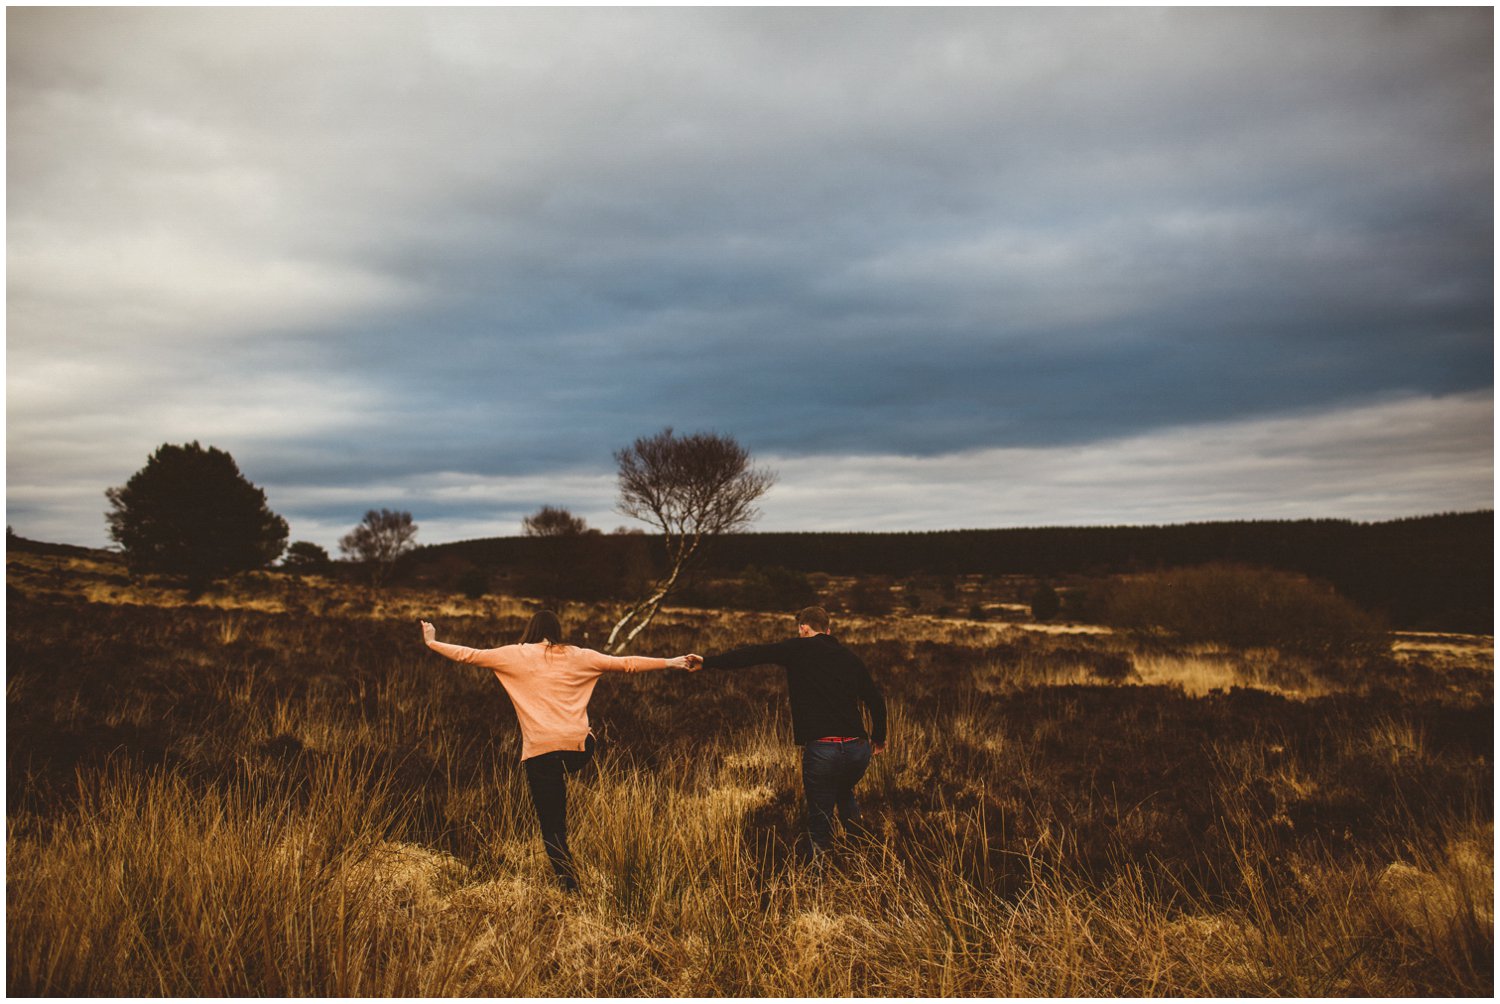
(458, 653)
(635, 663)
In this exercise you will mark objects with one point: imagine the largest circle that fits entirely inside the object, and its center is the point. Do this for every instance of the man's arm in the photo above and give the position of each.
(870, 694)
(774, 654)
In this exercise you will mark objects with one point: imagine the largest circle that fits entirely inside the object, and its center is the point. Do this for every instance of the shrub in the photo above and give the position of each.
(473, 583)
(871, 596)
(774, 588)
(1245, 607)
(1045, 603)
(305, 557)
(1111, 666)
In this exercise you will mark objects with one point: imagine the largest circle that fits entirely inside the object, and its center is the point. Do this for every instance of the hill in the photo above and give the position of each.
(1423, 573)
(1432, 573)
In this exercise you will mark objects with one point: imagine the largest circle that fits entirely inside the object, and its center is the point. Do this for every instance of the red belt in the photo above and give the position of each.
(839, 739)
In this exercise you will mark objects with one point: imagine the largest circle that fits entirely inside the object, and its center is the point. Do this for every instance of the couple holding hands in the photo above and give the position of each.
(550, 683)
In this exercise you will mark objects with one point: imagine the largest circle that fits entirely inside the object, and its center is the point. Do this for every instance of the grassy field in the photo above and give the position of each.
(277, 790)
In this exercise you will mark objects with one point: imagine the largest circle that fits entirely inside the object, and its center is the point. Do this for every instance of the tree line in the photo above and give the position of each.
(1430, 572)
(1422, 572)
(191, 513)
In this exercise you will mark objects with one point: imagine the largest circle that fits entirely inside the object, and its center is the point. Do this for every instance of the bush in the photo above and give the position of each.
(871, 596)
(473, 583)
(774, 588)
(1045, 603)
(1245, 607)
(1111, 666)
(305, 558)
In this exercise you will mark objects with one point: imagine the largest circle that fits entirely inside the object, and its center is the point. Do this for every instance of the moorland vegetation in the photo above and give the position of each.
(1432, 573)
(273, 789)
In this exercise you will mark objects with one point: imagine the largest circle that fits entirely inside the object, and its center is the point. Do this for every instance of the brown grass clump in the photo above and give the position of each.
(243, 798)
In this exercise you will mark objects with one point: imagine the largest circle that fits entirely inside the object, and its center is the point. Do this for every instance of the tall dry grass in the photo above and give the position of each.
(152, 888)
(238, 801)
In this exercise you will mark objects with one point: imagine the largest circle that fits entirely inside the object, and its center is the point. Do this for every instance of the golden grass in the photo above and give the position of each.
(319, 878)
(250, 892)
(221, 896)
(1196, 674)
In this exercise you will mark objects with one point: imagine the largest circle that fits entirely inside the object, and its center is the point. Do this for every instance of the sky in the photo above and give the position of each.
(936, 268)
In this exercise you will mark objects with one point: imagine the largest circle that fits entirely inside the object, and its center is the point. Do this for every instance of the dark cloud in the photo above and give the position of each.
(369, 248)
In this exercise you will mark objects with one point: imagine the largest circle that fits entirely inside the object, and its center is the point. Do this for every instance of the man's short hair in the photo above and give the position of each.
(814, 617)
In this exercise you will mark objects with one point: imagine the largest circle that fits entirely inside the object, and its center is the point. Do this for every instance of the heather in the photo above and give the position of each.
(275, 789)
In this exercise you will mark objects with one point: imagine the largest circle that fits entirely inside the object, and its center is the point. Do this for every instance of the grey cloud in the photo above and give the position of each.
(1362, 463)
(506, 241)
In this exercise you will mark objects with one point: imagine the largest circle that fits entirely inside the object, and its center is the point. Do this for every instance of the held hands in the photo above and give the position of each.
(691, 663)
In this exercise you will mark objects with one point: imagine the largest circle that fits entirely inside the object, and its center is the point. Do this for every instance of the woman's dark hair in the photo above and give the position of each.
(544, 626)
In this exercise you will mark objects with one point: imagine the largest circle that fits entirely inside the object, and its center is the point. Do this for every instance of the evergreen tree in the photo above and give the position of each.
(190, 512)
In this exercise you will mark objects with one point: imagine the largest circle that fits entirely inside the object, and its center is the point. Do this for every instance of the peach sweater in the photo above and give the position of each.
(550, 686)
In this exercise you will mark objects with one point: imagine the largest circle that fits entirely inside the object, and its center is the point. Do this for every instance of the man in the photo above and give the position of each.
(825, 684)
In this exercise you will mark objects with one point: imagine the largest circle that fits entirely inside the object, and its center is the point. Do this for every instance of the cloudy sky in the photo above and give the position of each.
(972, 267)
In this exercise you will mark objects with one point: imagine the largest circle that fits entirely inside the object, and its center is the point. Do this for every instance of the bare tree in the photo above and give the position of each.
(691, 488)
(379, 540)
(551, 521)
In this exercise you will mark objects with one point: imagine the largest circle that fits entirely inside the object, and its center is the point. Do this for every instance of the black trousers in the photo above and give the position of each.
(546, 776)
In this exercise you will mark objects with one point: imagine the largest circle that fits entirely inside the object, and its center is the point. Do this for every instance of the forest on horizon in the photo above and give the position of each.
(1419, 573)
(1433, 573)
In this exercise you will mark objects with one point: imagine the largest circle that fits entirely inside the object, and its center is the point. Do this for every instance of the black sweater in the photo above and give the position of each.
(825, 682)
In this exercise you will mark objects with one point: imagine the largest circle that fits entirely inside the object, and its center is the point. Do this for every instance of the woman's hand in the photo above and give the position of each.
(429, 633)
(684, 662)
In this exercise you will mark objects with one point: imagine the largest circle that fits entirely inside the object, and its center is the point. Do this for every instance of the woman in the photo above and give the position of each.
(550, 684)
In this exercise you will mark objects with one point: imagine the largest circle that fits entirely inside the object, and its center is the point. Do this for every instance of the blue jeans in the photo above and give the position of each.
(830, 771)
